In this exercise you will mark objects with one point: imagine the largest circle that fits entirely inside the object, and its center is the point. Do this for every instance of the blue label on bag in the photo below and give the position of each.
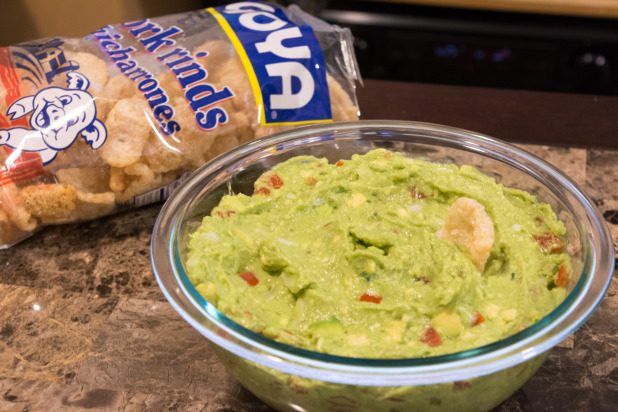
(284, 62)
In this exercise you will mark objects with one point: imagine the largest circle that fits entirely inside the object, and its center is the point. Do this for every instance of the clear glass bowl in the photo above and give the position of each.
(294, 379)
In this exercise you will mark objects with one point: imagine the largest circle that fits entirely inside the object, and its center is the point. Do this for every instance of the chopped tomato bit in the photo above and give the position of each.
(522, 368)
(520, 327)
(562, 277)
(297, 388)
(339, 163)
(388, 155)
(298, 338)
(262, 191)
(548, 242)
(462, 384)
(425, 279)
(366, 297)
(275, 181)
(311, 181)
(344, 398)
(250, 278)
(320, 165)
(478, 318)
(431, 337)
(226, 213)
(222, 333)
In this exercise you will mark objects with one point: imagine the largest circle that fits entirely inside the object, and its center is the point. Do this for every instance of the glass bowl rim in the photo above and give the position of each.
(483, 360)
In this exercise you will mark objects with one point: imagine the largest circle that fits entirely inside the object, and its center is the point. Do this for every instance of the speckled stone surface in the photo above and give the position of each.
(84, 326)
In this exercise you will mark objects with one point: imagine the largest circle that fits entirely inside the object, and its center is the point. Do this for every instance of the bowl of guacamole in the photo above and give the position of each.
(381, 265)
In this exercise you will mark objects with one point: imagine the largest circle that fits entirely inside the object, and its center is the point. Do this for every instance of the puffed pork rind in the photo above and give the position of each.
(468, 225)
(94, 177)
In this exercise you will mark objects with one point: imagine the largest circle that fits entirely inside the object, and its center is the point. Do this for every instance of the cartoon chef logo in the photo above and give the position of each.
(58, 117)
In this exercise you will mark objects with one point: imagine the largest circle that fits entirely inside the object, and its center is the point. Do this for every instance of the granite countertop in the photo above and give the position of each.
(84, 325)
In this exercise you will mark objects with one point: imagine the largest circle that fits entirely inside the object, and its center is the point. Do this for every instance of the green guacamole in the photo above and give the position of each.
(346, 259)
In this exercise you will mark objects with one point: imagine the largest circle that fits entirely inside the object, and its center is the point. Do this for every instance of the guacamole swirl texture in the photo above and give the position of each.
(346, 258)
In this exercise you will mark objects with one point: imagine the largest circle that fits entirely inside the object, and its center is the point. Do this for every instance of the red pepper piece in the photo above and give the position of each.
(262, 191)
(366, 297)
(226, 213)
(310, 181)
(339, 163)
(462, 384)
(297, 388)
(274, 181)
(548, 242)
(222, 333)
(343, 400)
(250, 278)
(478, 318)
(431, 337)
(562, 277)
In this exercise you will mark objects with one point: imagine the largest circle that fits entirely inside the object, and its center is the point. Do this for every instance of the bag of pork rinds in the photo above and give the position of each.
(115, 120)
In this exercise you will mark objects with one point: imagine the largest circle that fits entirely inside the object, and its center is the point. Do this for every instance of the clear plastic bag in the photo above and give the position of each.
(114, 120)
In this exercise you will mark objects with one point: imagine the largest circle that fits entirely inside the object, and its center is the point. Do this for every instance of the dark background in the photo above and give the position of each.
(396, 40)
(480, 48)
